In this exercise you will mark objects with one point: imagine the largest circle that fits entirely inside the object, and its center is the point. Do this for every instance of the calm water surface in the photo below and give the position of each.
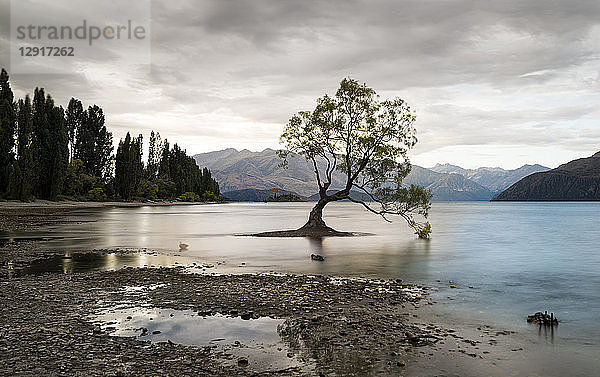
(506, 259)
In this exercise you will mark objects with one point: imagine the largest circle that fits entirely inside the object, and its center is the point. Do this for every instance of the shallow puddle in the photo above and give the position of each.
(86, 262)
(187, 327)
(230, 337)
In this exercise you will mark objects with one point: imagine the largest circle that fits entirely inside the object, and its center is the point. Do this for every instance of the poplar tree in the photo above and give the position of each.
(128, 167)
(74, 116)
(7, 131)
(50, 146)
(94, 143)
(154, 155)
(25, 167)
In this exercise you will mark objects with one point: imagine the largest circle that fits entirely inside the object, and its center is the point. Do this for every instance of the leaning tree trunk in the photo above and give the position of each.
(315, 219)
(315, 227)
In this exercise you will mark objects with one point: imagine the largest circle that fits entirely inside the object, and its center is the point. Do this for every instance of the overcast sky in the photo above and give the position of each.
(493, 83)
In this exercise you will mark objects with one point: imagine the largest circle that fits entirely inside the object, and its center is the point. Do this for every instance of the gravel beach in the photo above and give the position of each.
(328, 326)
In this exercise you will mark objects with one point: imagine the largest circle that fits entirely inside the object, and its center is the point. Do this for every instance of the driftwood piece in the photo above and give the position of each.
(545, 319)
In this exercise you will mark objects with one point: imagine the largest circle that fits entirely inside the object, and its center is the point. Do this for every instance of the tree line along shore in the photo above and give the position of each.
(48, 152)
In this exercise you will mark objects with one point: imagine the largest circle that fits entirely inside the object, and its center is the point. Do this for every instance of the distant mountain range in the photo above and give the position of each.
(255, 171)
(575, 180)
(494, 179)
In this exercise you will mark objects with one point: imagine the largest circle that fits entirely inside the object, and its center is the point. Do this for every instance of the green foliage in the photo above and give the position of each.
(7, 129)
(23, 179)
(212, 197)
(424, 231)
(74, 117)
(189, 197)
(50, 146)
(96, 194)
(177, 167)
(147, 189)
(155, 150)
(94, 144)
(78, 184)
(367, 140)
(69, 154)
(128, 167)
(170, 173)
(166, 189)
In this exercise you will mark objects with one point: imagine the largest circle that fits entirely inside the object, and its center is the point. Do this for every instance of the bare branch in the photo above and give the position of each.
(316, 172)
(368, 193)
(380, 213)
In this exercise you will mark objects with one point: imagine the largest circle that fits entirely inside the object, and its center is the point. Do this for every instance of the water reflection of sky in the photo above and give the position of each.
(256, 339)
(187, 327)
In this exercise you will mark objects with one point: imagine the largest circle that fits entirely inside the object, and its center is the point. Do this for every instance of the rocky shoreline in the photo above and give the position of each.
(347, 327)
(331, 326)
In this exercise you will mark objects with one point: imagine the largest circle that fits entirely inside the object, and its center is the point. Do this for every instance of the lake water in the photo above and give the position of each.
(507, 260)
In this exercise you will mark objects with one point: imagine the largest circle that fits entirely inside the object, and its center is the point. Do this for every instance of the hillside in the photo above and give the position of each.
(238, 170)
(575, 180)
(494, 179)
(241, 170)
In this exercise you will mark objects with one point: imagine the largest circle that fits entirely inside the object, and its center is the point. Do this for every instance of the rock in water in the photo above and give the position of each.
(317, 257)
(540, 318)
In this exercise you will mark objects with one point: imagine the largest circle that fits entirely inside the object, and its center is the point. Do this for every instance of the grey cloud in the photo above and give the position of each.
(262, 60)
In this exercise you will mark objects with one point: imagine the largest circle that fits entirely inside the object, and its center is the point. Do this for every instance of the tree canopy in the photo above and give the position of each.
(367, 140)
(49, 153)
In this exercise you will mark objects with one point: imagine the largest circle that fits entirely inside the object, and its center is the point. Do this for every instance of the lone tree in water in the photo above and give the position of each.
(366, 140)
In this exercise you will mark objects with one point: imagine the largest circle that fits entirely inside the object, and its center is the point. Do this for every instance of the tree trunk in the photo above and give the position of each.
(315, 219)
(315, 226)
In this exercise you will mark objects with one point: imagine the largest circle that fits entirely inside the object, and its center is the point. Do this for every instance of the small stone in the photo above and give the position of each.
(290, 354)
(156, 332)
(401, 363)
(243, 362)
